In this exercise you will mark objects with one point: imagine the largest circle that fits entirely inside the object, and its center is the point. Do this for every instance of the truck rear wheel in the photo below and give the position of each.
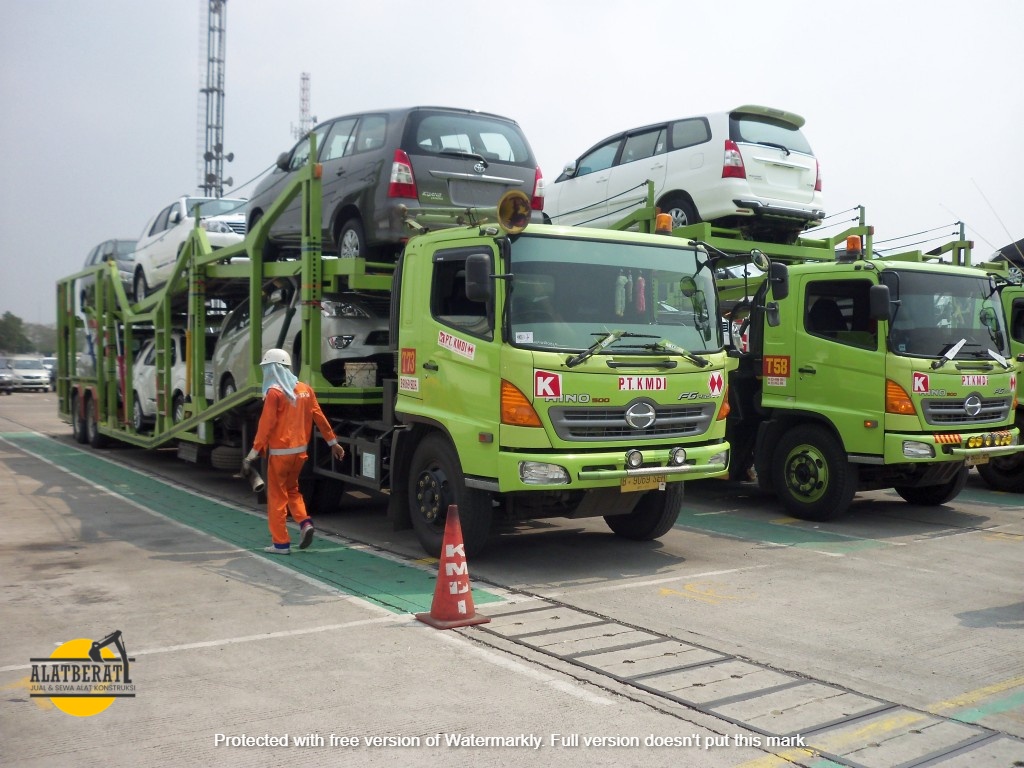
(1004, 473)
(653, 517)
(78, 429)
(811, 475)
(436, 481)
(934, 495)
(92, 424)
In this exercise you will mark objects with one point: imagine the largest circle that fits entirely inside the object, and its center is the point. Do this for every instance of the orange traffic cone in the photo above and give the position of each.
(453, 597)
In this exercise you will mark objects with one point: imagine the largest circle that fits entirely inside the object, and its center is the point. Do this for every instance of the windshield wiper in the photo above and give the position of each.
(606, 340)
(463, 153)
(783, 147)
(667, 346)
(998, 358)
(949, 355)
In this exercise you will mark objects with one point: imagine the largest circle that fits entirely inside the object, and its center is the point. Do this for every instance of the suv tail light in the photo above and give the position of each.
(537, 198)
(732, 162)
(402, 182)
(817, 176)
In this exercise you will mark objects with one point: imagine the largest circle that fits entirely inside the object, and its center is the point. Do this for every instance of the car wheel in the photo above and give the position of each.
(178, 408)
(680, 209)
(92, 431)
(351, 240)
(141, 287)
(138, 417)
(77, 421)
(227, 387)
(811, 474)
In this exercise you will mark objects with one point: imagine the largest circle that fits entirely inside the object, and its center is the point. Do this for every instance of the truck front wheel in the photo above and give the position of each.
(436, 481)
(653, 517)
(811, 475)
(934, 495)
(1004, 473)
(78, 429)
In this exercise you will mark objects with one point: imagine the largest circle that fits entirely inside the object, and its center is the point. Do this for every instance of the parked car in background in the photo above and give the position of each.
(6, 377)
(750, 168)
(144, 408)
(28, 373)
(119, 251)
(353, 337)
(165, 234)
(377, 164)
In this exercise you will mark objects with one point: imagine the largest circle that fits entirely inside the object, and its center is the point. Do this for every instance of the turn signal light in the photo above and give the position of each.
(897, 400)
(516, 410)
(724, 410)
(732, 162)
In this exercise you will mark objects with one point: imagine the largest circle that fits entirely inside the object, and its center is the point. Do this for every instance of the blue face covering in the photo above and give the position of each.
(277, 375)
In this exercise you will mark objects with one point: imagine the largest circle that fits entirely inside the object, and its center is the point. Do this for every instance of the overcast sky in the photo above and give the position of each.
(914, 108)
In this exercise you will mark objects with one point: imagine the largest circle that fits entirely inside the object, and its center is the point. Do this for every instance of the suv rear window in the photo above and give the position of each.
(764, 130)
(497, 140)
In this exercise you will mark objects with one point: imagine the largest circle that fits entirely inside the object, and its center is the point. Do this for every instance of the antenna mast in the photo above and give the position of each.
(212, 180)
(305, 119)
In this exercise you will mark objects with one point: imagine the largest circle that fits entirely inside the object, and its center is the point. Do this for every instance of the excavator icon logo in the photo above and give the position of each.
(83, 677)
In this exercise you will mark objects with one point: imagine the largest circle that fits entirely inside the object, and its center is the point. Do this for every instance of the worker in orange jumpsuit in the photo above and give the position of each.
(286, 423)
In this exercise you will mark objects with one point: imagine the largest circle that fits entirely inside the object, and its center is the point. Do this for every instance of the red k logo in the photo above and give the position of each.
(547, 384)
(920, 382)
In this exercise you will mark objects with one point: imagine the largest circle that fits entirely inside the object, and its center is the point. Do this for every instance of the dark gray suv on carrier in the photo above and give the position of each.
(377, 164)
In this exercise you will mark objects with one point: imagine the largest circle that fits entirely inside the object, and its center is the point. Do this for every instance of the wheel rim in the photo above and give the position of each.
(90, 420)
(349, 244)
(432, 496)
(679, 217)
(228, 389)
(806, 473)
(179, 410)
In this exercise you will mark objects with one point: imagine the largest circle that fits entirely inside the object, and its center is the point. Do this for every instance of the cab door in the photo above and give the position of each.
(839, 363)
(450, 358)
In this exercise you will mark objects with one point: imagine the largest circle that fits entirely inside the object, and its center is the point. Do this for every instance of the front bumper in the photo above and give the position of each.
(918, 448)
(606, 469)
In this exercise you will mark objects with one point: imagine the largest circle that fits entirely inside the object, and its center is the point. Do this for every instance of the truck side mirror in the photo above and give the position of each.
(778, 277)
(479, 285)
(879, 301)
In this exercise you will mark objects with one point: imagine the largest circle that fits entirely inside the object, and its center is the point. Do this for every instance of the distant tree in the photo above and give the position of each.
(12, 335)
(43, 338)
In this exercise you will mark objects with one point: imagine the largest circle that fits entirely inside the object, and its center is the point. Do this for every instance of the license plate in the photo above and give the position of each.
(642, 483)
(973, 461)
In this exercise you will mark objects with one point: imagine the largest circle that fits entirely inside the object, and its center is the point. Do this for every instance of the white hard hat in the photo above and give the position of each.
(276, 356)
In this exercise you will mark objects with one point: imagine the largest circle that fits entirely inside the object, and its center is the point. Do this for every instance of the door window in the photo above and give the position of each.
(688, 133)
(838, 310)
(600, 159)
(640, 146)
(448, 301)
(339, 141)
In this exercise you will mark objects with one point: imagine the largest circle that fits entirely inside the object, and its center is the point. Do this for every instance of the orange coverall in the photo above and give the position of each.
(284, 430)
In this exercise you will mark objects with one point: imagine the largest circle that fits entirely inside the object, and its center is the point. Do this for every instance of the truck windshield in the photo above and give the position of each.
(565, 294)
(932, 313)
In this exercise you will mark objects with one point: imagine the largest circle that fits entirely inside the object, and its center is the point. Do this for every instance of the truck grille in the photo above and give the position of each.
(948, 411)
(603, 423)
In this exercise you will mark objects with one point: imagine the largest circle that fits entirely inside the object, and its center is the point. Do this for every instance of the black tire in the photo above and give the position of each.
(351, 240)
(325, 495)
(140, 288)
(680, 208)
(811, 475)
(653, 517)
(138, 417)
(1004, 473)
(77, 421)
(227, 457)
(178, 408)
(436, 482)
(96, 440)
(934, 495)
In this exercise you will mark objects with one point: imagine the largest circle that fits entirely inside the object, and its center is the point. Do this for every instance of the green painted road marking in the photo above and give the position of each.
(394, 585)
(995, 707)
(774, 533)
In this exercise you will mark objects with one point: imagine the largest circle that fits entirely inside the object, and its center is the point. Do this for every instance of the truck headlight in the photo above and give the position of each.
(912, 449)
(540, 473)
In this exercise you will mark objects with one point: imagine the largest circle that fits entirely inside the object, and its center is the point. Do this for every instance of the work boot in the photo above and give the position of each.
(307, 534)
(273, 549)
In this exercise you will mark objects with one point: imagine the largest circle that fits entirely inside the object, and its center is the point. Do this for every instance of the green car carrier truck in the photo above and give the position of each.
(535, 372)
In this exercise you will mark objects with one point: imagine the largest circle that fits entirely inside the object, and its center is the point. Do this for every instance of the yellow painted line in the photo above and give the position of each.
(698, 591)
(25, 684)
(1016, 538)
(883, 726)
